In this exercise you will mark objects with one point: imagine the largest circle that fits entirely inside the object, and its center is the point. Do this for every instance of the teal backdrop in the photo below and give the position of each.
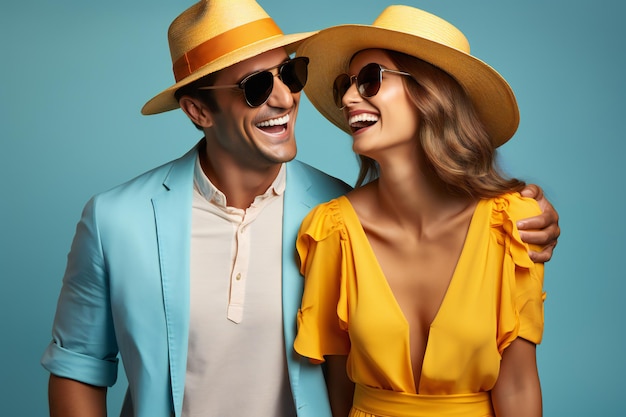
(75, 74)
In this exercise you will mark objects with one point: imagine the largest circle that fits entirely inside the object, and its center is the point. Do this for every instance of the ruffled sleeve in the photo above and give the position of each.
(521, 295)
(322, 318)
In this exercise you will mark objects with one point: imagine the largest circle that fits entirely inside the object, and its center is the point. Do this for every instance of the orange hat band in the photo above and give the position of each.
(222, 44)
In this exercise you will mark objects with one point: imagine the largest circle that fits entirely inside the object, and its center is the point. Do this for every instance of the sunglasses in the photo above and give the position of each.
(257, 87)
(368, 82)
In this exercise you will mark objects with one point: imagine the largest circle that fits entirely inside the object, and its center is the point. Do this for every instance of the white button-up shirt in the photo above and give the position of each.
(236, 359)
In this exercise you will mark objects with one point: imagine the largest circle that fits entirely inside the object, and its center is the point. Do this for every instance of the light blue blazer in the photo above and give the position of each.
(126, 289)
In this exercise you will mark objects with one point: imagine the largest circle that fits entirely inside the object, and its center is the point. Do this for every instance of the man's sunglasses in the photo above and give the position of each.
(257, 87)
(368, 82)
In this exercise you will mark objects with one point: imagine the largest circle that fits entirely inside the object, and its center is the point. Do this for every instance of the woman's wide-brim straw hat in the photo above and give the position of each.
(214, 34)
(422, 35)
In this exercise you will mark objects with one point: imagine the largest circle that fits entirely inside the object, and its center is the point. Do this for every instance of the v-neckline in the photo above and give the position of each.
(461, 259)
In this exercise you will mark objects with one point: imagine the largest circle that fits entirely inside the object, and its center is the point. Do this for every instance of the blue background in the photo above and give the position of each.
(75, 75)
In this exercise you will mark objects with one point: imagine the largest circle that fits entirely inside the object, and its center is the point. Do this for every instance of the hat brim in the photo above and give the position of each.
(165, 100)
(331, 50)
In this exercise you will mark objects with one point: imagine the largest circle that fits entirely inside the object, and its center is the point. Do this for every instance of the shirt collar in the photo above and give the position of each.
(212, 194)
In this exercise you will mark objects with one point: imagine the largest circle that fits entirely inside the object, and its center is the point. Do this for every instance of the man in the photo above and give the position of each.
(179, 270)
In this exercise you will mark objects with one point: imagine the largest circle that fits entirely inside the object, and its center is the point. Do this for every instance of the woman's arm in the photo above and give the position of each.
(517, 392)
(340, 388)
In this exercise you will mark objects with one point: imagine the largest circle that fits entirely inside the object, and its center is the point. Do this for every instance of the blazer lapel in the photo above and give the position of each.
(298, 202)
(306, 187)
(172, 213)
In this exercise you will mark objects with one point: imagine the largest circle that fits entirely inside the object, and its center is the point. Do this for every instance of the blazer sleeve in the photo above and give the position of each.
(83, 345)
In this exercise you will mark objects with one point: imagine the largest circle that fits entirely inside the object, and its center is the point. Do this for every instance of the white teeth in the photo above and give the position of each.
(274, 122)
(363, 117)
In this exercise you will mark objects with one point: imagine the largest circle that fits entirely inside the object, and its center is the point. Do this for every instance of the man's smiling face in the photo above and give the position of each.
(256, 137)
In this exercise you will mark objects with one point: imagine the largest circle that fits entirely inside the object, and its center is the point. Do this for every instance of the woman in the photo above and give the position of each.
(417, 284)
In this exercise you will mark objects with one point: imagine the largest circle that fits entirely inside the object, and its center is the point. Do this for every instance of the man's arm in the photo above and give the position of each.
(542, 230)
(69, 398)
(340, 388)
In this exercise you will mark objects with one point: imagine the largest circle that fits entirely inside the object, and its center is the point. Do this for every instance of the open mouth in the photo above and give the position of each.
(277, 125)
(361, 121)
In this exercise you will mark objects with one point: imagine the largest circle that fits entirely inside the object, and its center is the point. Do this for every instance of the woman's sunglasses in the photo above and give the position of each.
(368, 82)
(257, 87)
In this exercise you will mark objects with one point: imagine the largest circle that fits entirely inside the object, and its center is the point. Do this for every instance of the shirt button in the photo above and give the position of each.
(238, 277)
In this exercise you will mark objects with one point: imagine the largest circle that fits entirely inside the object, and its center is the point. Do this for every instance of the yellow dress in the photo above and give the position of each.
(495, 295)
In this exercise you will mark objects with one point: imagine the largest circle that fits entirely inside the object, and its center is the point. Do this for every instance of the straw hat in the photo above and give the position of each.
(214, 34)
(422, 35)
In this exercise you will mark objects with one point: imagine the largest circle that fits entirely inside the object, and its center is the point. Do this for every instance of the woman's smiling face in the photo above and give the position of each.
(387, 119)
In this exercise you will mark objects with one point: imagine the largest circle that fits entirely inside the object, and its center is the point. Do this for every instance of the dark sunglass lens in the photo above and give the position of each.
(294, 73)
(340, 87)
(258, 88)
(368, 80)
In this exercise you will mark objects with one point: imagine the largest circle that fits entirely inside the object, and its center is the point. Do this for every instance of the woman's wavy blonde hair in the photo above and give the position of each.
(451, 134)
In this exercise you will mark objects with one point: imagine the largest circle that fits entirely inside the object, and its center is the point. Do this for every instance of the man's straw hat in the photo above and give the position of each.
(422, 35)
(214, 34)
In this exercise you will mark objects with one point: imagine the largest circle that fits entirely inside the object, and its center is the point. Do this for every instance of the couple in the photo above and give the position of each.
(190, 272)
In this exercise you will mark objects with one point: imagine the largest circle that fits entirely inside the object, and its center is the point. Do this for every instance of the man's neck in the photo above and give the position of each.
(240, 184)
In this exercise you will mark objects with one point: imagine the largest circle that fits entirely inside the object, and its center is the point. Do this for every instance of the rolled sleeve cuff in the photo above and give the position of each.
(89, 370)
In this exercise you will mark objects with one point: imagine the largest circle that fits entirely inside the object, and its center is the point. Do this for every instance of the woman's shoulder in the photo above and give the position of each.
(506, 210)
(514, 206)
(325, 218)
